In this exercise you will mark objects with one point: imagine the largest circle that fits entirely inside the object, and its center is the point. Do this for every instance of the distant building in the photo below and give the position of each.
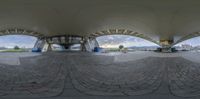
(185, 47)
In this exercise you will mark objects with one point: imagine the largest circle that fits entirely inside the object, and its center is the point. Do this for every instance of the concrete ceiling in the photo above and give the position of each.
(158, 19)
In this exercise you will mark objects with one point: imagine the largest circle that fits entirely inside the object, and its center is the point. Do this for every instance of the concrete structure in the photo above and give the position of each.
(154, 20)
(136, 75)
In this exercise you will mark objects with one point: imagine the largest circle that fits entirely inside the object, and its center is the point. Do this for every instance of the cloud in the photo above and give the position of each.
(10, 41)
(127, 41)
(193, 42)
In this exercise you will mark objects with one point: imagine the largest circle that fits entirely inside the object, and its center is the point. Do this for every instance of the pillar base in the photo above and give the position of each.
(166, 50)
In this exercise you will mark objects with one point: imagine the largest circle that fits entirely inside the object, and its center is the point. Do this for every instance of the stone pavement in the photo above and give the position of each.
(85, 75)
(13, 57)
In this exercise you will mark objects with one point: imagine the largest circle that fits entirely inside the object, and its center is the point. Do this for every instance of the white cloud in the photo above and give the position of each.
(127, 41)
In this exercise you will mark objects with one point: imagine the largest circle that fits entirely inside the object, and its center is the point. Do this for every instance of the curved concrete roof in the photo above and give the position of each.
(156, 18)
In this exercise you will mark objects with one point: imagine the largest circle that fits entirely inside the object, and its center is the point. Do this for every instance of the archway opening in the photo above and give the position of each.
(192, 44)
(110, 43)
(17, 43)
(63, 43)
(14, 47)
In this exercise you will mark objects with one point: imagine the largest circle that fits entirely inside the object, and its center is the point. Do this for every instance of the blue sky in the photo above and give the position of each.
(113, 41)
(9, 41)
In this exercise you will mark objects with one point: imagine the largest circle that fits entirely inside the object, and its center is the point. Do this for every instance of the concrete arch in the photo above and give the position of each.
(122, 32)
(20, 32)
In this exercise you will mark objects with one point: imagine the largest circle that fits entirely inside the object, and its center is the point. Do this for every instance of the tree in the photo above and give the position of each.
(121, 47)
(16, 47)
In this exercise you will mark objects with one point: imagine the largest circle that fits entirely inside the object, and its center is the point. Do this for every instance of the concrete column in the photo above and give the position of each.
(83, 43)
(166, 45)
(39, 44)
(45, 46)
(36, 44)
(92, 44)
(42, 44)
(88, 45)
(49, 47)
(96, 43)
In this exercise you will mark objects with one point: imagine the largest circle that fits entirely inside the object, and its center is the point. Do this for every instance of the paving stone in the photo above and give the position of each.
(67, 75)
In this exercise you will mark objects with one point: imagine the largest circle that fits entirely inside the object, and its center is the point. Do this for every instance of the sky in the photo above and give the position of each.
(9, 41)
(109, 41)
(113, 41)
(193, 42)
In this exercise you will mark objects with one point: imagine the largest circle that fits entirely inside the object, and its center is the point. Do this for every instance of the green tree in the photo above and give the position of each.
(16, 47)
(121, 47)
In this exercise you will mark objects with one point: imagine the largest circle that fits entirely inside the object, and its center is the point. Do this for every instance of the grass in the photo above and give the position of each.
(112, 49)
(14, 50)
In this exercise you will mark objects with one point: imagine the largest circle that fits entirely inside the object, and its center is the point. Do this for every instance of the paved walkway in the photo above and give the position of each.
(13, 58)
(86, 75)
